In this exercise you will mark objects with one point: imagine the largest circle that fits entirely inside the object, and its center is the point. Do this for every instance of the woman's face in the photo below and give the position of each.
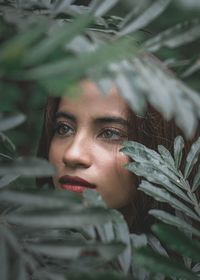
(88, 134)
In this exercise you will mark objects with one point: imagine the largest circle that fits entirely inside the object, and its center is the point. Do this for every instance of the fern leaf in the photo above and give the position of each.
(148, 15)
(192, 158)
(174, 221)
(196, 181)
(178, 148)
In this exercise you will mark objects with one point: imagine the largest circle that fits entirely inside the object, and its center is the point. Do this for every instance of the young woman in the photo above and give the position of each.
(82, 137)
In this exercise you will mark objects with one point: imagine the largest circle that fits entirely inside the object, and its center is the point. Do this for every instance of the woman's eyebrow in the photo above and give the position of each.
(65, 115)
(111, 119)
(97, 120)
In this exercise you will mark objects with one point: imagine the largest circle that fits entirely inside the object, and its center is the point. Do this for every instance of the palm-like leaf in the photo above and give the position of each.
(59, 37)
(171, 187)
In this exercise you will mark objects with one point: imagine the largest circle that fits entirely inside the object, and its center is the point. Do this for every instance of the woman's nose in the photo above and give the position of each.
(77, 153)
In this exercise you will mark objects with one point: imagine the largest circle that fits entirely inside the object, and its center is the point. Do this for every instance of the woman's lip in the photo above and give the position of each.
(75, 184)
(73, 188)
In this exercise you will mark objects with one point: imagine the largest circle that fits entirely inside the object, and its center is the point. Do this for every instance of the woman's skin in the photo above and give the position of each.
(88, 134)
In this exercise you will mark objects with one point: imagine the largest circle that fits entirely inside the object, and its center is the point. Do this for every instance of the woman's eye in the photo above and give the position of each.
(113, 134)
(62, 129)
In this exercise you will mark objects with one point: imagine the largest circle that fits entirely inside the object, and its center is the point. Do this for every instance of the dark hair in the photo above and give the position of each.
(151, 130)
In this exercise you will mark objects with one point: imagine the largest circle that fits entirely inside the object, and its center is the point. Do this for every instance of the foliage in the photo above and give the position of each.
(46, 48)
(165, 182)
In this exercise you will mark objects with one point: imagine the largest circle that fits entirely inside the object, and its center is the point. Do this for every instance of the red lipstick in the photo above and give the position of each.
(74, 184)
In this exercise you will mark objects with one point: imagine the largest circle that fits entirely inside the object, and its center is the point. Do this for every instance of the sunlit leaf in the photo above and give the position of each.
(9, 122)
(178, 241)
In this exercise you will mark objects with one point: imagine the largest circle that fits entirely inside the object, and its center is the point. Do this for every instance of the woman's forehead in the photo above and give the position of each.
(91, 99)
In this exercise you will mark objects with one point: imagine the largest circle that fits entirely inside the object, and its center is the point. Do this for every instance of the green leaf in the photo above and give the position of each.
(78, 66)
(60, 37)
(169, 95)
(146, 17)
(196, 180)
(74, 249)
(4, 259)
(15, 47)
(156, 245)
(192, 69)
(9, 122)
(43, 198)
(155, 173)
(10, 239)
(130, 86)
(96, 275)
(174, 221)
(166, 156)
(149, 164)
(157, 263)
(138, 152)
(193, 96)
(21, 270)
(156, 80)
(175, 36)
(28, 167)
(121, 233)
(156, 177)
(100, 8)
(164, 196)
(59, 218)
(93, 198)
(7, 179)
(178, 148)
(8, 145)
(178, 241)
(192, 158)
(138, 241)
